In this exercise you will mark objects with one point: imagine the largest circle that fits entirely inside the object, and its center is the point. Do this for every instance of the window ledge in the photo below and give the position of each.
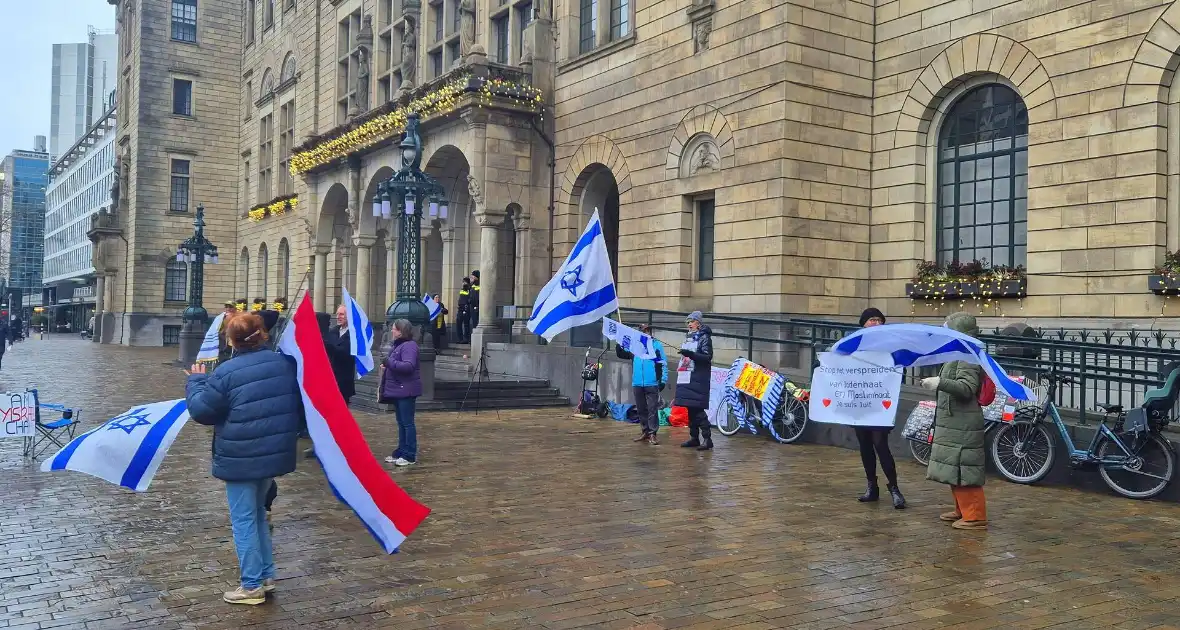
(186, 42)
(183, 116)
(604, 50)
(986, 289)
(178, 213)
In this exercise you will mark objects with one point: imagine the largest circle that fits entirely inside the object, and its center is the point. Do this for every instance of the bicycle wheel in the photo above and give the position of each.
(920, 450)
(790, 420)
(1145, 473)
(1023, 451)
(728, 423)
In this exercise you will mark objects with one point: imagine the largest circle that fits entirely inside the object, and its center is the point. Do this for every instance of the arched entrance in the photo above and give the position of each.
(452, 244)
(333, 247)
(596, 188)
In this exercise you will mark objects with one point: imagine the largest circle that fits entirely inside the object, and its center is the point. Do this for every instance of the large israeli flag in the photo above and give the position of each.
(360, 337)
(434, 307)
(583, 290)
(127, 449)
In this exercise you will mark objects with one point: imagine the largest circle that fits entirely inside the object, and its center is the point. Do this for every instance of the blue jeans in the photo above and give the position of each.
(407, 433)
(247, 517)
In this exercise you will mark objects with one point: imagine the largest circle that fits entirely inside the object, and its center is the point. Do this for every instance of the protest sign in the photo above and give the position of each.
(717, 404)
(751, 379)
(859, 389)
(18, 414)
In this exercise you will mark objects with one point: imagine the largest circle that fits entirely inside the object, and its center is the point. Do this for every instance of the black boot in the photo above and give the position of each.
(706, 436)
(898, 500)
(872, 492)
(691, 443)
(707, 445)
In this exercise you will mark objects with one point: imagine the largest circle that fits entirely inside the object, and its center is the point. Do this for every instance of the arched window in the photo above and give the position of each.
(244, 274)
(288, 71)
(983, 179)
(176, 281)
(284, 268)
(268, 83)
(263, 265)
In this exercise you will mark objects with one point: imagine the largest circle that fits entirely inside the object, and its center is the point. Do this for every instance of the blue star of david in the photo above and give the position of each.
(626, 344)
(572, 280)
(130, 421)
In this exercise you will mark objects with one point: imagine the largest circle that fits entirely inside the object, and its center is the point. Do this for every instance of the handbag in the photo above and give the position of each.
(382, 399)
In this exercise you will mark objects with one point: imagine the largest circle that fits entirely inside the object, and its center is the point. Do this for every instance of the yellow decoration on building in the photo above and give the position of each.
(274, 208)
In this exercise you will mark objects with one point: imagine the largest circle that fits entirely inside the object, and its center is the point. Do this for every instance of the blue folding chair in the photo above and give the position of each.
(55, 433)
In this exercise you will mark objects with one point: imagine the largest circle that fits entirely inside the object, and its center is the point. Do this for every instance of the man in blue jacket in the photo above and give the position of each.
(648, 378)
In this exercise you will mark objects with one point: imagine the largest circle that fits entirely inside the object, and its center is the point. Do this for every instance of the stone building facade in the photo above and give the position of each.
(801, 157)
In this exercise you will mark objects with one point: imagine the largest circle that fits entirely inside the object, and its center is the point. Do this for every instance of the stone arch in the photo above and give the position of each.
(243, 284)
(453, 245)
(1156, 60)
(263, 272)
(267, 85)
(284, 270)
(598, 187)
(703, 128)
(288, 69)
(595, 150)
(335, 204)
(983, 54)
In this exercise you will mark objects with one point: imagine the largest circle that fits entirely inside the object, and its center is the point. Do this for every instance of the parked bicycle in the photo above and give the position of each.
(1130, 454)
(921, 441)
(785, 426)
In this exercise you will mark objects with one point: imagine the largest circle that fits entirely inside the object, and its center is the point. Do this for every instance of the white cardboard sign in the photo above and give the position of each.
(18, 415)
(858, 390)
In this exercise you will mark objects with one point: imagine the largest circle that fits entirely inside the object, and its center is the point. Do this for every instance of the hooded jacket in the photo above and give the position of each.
(694, 374)
(958, 454)
(646, 372)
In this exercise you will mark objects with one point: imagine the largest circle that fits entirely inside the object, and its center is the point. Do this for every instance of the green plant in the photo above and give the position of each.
(971, 271)
(1171, 266)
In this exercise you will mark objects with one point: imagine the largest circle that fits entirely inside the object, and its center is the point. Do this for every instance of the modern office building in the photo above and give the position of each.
(84, 80)
(22, 222)
(79, 185)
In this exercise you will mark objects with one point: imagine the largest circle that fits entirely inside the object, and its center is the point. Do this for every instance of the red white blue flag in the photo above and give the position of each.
(353, 472)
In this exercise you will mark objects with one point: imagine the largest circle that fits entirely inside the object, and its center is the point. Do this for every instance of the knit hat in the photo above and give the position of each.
(695, 316)
(870, 313)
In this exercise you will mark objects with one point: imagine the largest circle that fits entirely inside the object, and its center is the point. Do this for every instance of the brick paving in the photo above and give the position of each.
(544, 521)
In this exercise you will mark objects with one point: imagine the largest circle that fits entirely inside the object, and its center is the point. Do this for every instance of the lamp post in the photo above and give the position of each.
(411, 192)
(196, 250)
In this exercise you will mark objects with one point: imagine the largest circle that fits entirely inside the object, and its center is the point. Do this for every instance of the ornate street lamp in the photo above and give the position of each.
(197, 251)
(410, 192)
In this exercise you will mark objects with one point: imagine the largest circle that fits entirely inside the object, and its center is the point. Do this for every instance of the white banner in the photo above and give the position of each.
(18, 414)
(629, 339)
(717, 402)
(855, 389)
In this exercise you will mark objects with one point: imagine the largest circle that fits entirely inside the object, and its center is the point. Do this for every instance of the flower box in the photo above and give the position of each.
(1160, 284)
(984, 289)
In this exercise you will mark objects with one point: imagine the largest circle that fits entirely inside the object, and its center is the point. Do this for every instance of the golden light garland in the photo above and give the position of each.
(273, 208)
(934, 285)
(382, 127)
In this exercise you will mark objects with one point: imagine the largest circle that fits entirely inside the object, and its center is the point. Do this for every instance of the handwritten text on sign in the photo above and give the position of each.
(18, 415)
(859, 390)
(753, 380)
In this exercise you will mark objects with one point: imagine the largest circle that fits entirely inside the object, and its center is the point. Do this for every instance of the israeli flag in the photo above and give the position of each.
(127, 449)
(629, 339)
(434, 307)
(211, 344)
(583, 290)
(360, 337)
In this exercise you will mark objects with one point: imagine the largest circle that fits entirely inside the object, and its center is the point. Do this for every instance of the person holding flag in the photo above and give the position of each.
(648, 374)
(349, 352)
(583, 289)
(438, 320)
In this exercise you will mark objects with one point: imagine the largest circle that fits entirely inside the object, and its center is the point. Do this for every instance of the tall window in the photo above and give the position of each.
(284, 267)
(705, 244)
(436, 12)
(587, 25)
(265, 156)
(500, 39)
(244, 273)
(182, 97)
(250, 8)
(180, 186)
(263, 266)
(286, 143)
(620, 18)
(176, 281)
(983, 179)
(184, 20)
(268, 14)
(524, 17)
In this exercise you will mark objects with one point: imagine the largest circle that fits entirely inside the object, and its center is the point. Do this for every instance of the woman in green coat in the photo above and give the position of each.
(958, 455)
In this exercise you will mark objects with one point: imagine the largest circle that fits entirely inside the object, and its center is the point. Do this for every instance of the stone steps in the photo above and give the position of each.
(450, 392)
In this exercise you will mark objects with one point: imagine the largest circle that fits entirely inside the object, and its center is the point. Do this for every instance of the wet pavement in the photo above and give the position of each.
(544, 521)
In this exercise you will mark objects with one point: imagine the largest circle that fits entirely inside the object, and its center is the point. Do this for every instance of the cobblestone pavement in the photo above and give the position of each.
(544, 521)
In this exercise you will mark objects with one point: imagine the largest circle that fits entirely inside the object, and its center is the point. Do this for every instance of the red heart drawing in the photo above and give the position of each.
(827, 401)
(886, 403)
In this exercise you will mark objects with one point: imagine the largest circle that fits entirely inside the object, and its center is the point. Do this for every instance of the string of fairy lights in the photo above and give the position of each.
(274, 208)
(935, 286)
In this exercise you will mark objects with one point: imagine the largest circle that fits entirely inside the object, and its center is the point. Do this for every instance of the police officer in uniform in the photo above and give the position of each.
(465, 312)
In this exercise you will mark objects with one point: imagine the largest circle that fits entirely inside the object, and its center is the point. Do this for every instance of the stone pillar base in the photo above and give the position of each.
(480, 338)
(190, 344)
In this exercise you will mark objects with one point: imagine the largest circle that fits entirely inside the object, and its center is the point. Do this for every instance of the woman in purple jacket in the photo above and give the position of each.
(401, 383)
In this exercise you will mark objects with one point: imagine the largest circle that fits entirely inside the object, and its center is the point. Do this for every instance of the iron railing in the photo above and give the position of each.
(1107, 367)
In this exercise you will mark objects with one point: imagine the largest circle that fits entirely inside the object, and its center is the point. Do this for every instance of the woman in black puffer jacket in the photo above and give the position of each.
(693, 381)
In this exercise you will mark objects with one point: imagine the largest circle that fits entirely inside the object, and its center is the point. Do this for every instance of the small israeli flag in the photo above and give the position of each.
(127, 449)
(360, 337)
(583, 290)
(211, 344)
(434, 307)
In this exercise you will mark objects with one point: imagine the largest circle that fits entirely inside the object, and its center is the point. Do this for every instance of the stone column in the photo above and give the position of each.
(449, 275)
(489, 246)
(345, 264)
(320, 290)
(364, 259)
(523, 266)
(100, 291)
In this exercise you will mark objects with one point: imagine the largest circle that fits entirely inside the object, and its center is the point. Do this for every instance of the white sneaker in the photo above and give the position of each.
(391, 460)
(401, 461)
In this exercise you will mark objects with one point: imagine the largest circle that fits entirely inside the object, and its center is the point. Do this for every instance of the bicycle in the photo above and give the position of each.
(921, 442)
(1023, 450)
(785, 426)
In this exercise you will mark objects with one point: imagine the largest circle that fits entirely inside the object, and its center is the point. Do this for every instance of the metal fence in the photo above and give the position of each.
(1107, 366)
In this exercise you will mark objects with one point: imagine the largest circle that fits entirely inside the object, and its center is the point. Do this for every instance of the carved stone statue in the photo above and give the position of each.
(700, 34)
(116, 186)
(474, 189)
(466, 26)
(705, 158)
(353, 217)
(409, 53)
(362, 79)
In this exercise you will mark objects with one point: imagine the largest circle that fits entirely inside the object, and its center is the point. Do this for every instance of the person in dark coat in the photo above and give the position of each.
(255, 407)
(401, 382)
(337, 343)
(465, 312)
(694, 380)
(874, 442)
(438, 328)
(474, 301)
(3, 338)
(224, 352)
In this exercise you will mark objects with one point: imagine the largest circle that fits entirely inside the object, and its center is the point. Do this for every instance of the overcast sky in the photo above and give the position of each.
(28, 31)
